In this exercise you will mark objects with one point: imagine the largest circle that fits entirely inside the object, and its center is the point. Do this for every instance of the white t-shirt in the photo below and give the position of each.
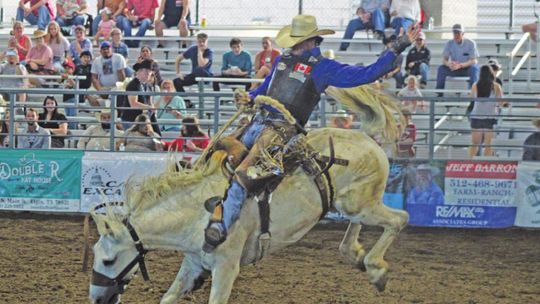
(107, 69)
(59, 49)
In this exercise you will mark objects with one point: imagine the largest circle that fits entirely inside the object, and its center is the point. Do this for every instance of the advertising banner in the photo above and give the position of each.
(397, 183)
(528, 195)
(40, 180)
(475, 194)
(103, 178)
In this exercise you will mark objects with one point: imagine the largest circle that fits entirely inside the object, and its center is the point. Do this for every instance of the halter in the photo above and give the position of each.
(100, 279)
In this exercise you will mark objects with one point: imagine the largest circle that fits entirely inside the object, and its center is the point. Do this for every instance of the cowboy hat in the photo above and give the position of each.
(303, 27)
(39, 34)
(105, 110)
(426, 167)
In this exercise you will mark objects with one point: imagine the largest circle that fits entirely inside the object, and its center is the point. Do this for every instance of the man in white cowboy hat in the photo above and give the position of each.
(426, 191)
(297, 80)
(97, 137)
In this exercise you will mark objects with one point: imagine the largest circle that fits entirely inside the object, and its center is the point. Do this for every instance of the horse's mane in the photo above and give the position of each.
(152, 188)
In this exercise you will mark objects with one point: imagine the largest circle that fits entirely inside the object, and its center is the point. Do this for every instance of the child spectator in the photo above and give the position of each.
(105, 25)
(67, 99)
(79, 45)
(411, 90)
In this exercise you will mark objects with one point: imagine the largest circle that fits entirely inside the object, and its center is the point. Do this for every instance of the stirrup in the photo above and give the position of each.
(213, 236)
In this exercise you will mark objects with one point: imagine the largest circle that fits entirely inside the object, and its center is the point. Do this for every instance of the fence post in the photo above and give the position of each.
(300, 7)
(197, 12)
(511, 17)
(431, 137)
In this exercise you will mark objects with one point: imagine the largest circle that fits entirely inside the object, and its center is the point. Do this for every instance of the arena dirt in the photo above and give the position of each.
(40, 262)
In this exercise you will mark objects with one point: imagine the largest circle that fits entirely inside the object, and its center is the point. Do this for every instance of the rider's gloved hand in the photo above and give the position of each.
(241, 98)
(404, 41)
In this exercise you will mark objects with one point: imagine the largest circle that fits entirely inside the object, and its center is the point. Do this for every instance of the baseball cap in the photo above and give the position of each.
(105, 44)
(458, 28)
(422, 36)
(11, 52)
(69, 64)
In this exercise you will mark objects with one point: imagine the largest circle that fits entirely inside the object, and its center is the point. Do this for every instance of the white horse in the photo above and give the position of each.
(168, 213)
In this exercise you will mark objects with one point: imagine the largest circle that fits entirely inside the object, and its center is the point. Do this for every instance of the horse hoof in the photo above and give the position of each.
(381, 283)
(361, 266)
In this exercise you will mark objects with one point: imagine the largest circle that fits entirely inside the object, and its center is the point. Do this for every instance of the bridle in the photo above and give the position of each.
(118, 282)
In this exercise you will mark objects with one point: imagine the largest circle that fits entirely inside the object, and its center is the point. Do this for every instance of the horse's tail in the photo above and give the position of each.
(375, 107)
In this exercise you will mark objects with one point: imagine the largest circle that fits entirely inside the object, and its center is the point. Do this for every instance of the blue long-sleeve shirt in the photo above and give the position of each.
(332, 73)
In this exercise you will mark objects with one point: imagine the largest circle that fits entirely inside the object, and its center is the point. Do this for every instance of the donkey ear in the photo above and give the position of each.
(103, 226)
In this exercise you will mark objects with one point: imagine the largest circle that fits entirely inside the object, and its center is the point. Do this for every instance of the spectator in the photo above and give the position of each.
(107, 69)
(460, 58)
(426, 191)
(405, 145)
(404, 14)
(264, 60)
(531, 28)
(40, 12)
(170, 107)
(146, 54)
(411, 90)
(201, 61)
(341, 120)
(70, 12)
(115, 6)
(396, 71)
(139, 13)
(53, 121)
(140, 103)
(118, 46)
(20, 41)
(105, 26)
(372, 14)
(39, 59)
(33, 136)
(418, 58)
(79, 45)
(175, 13)
(141, 137)
(531, 146)
(236, 64)
(192, 137)
(484, 113)
(13, 67)
(84, 68)
(97, 137)
(58, 44)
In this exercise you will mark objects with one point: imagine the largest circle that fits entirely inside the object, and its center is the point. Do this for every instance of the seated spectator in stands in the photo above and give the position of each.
(19, 41)
(53, 121)
(405, 144)
(398, 62)
(58, 44)
(79, 45)
(372, 14)
(484, 113)
(140, 103)
(115, 6)
(71, 12)
(121, 48)
(418, 58)
(531, 28)
(170, 107)
(33, 136)
(201, 62)
(139, 13)
(264, 60)
(146, 54)
(13, 67)
(531, 146)
(192, 137)
(235, 64)
(107, 69)
(97, 136)
(39, 12)
(141, 136)
(341, 120)
(175, 13)
(84, 68)
(411, 90)
(404, 14)
(426, 191)
(460, 58)
(105, 26)
(39, 60)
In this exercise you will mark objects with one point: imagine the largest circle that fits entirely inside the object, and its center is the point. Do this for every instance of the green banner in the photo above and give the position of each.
(40, 180)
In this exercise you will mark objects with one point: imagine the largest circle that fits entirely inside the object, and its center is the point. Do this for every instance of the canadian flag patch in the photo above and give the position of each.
(302, 68)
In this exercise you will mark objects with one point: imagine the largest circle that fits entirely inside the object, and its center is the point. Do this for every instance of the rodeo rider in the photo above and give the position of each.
(297, 80)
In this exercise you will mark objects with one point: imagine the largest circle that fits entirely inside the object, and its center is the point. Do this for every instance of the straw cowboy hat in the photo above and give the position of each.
(426, 167)
(39, 34)
(303, 27)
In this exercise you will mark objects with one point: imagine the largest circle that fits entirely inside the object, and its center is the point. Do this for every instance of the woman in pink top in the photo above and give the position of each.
(20, 41)
(40, 57)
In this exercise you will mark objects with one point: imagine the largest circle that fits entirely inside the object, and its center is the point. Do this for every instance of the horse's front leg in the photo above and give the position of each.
(188, 278)
(223, 276)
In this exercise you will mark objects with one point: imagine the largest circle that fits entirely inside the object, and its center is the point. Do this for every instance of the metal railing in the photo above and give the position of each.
(526, 57)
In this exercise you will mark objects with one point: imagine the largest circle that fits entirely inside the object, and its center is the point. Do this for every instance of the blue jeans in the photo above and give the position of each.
(71, 110)
(41, 20)
(77, 20)
(126, 25)
(377, 23)
(422, 70)
(444, 71)
(400, 22)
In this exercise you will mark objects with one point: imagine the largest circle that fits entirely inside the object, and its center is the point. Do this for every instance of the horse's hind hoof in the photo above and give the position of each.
(381, 283)
(361, 266)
